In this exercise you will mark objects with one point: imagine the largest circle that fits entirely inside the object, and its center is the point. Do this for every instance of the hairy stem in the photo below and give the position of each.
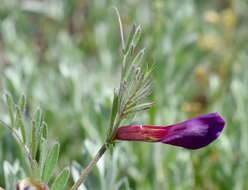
(91, 166)
(101, 151)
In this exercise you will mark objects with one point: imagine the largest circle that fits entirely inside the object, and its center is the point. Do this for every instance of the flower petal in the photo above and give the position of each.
(195, 133)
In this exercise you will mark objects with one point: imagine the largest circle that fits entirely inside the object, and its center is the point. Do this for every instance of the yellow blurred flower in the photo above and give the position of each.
(212, 17)
(193, 107)
(229, 18)
(202, 75)
(210, 42)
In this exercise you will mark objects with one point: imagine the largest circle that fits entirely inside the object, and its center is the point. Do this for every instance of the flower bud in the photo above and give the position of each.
(28, 184)
(190, 134)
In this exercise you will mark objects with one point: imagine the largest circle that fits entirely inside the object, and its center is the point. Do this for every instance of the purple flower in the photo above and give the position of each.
(191, 134)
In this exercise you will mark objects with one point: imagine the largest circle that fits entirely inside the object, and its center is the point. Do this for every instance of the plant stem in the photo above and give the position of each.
(91, 166)
(101, 151)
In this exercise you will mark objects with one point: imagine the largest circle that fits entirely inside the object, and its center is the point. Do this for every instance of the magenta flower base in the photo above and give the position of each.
(191, 134)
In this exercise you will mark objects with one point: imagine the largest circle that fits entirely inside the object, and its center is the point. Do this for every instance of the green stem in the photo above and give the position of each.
(91, 166)
(99, 154)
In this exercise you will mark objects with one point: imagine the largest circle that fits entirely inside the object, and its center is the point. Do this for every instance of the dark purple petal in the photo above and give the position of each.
(195, 133)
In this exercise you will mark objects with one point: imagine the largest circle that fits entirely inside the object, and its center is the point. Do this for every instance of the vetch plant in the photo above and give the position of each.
(135, 86)
(128, 99)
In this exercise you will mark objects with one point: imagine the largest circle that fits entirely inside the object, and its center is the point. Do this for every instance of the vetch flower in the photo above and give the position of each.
(191, 134)
(28, 184)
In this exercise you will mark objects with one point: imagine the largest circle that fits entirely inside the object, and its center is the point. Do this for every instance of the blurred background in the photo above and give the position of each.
(64, 55)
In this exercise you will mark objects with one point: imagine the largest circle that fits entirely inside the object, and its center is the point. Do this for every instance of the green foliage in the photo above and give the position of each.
(135, 84)
(12, 173)
(32, 138)
(61, 180)
(50, 163)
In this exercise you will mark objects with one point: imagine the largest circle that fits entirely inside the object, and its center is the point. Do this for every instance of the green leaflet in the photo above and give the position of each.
(113, 114)
(43, 155)
(61, 180)
(50, 163)
(10, 104)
